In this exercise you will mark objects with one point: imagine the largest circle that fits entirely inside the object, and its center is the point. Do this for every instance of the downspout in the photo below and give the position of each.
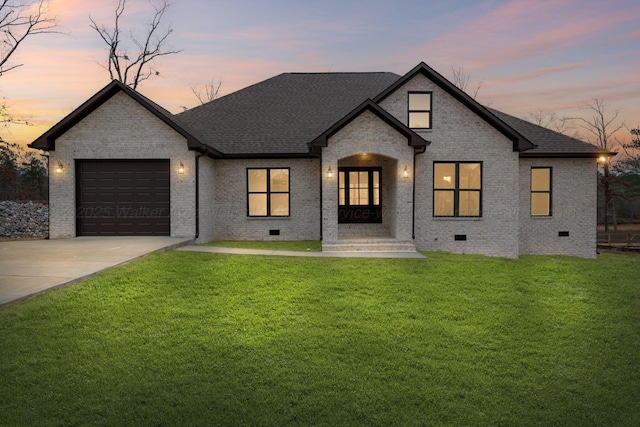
(48, 194)
(321, 213)
(413, 201)
(198, 192)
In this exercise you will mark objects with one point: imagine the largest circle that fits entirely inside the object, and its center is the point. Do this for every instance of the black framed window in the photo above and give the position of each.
(420, 110)
(541, 191)
(457, 189)
(267, 192)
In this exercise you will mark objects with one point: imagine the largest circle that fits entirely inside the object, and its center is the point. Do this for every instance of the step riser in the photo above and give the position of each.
(368, 247)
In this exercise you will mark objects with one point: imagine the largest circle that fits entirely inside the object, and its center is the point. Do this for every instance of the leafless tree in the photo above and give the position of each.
(208, 93)
(551, 120)
(18, 21)
(132, 61)
(601, 129)
(461, 80)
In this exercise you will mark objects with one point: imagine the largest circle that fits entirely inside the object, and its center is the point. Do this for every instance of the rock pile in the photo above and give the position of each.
(27, 220)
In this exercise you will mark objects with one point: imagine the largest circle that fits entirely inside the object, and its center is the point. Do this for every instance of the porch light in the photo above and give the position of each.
(180, 168)
(405, 173)
(59, 168)
(329, 173)
(602, 159)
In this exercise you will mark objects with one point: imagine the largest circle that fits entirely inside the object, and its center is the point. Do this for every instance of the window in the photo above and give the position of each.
(420, 110)
(268, 192)
(540, 191)
(457, 189)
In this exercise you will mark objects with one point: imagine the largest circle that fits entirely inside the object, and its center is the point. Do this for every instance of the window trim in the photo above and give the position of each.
(430, 110)
(457, 189)
(549, 192)
(268, 192)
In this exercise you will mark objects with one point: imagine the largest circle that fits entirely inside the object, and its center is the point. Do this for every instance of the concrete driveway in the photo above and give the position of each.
(30, 267)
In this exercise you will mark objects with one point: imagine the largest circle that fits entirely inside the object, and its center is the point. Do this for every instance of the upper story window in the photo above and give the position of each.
(457, 189)
(420, 110)
(268, 192)
(540, 191)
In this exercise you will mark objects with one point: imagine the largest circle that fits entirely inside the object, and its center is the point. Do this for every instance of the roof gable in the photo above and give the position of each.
(520, 142)
(414, 140)
(47, 141)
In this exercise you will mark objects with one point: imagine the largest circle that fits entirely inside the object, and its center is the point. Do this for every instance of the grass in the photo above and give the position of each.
(206, 339)
(296, 246)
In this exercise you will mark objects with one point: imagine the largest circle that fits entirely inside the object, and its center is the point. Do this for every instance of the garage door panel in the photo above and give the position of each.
(123, 198)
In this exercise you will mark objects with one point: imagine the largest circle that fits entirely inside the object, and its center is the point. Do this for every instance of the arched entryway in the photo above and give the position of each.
(366, 196)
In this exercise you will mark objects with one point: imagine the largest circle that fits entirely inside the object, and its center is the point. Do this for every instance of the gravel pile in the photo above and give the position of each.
(26, 220)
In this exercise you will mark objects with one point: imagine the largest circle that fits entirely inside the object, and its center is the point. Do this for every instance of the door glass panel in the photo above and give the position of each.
(341, 190)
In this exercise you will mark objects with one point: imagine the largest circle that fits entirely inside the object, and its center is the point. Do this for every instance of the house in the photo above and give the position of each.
(362, 161)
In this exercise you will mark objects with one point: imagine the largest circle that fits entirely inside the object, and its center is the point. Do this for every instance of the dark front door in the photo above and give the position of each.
(359, 195)
(123, 198)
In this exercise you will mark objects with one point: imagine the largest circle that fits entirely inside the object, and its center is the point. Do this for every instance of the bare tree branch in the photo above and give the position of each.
(19, 20)
(211, 91)
(133, 69)
(552, 120)
(600, 127)
(461, 80)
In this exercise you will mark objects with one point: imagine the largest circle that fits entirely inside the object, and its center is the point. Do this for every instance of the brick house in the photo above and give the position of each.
(358, 160)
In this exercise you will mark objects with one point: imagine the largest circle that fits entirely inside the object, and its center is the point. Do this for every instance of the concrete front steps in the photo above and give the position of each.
(372, 244)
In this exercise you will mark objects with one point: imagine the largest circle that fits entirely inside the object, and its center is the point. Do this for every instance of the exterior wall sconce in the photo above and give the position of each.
(330, 173)
(405, 173)
(181, 168)
(602, 159)
(59, 168)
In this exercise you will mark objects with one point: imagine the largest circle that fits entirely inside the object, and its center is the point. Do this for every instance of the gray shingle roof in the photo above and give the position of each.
(550, 143)
(282, 114)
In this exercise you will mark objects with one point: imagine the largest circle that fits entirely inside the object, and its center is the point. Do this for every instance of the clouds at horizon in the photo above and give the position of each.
(530, 55)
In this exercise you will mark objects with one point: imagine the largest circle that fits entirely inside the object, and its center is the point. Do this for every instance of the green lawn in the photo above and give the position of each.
(183, 338)
(285, 245)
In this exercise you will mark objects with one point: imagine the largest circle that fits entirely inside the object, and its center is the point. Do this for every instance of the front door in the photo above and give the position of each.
(359, 195)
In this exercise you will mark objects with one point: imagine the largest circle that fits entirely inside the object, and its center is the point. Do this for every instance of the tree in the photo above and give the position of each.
(550, 120)
(18, 21)
(601, 129)
(134, 62)
(208, 93)
(461, 80)
(632, 150)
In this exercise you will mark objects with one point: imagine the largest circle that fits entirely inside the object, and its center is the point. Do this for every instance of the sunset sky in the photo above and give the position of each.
(530, 55)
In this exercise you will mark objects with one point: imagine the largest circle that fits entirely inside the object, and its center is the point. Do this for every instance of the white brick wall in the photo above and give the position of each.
(574, 195)
(225, 211)
(121, 129)
(458, 134)
(367, 134)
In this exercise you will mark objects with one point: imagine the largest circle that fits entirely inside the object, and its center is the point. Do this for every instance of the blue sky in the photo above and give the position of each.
(530, 55)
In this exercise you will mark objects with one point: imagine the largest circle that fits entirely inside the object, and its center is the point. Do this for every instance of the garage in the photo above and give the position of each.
(123, 198)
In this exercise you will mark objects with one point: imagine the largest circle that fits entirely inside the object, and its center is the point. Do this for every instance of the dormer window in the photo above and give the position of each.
(420, 110)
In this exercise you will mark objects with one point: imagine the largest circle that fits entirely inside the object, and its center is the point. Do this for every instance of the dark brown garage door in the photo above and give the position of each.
(123, 198)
